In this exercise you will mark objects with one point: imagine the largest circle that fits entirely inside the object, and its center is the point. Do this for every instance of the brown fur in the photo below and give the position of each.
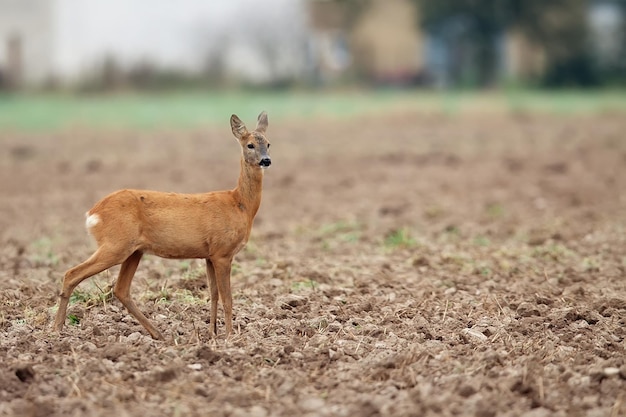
(214, 226)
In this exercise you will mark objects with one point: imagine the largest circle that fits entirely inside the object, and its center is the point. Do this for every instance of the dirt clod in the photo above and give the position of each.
(207, 354)
(166, 375)
(291, 301)
(527, 310)
(25, 373)
(115, 351)
(466, 391)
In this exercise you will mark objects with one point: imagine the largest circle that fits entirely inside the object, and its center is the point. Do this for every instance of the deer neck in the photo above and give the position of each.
(249, 187)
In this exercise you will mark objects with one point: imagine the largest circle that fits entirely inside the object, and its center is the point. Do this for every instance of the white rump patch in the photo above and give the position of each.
(92, 220)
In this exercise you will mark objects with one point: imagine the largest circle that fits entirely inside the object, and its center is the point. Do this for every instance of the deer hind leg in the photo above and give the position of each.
(222, 268)
(210, 273)
(102, 259)
(122, 292)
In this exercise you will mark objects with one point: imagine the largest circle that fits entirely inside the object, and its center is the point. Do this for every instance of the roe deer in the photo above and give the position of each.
(214, 226)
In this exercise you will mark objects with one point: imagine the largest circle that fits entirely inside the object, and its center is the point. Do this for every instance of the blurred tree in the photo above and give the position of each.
(352, 9)
(474, 25)
(558, 26)
(608, 19)
(620, 68)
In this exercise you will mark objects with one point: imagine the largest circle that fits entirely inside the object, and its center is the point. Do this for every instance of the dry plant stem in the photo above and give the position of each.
(214, 226)
(615, 410)
(74, 381)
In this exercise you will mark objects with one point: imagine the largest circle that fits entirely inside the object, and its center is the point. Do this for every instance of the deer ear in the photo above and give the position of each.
(239, 129)
(261, 124)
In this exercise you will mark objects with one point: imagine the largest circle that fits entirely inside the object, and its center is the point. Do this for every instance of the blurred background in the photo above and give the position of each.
(80, 47)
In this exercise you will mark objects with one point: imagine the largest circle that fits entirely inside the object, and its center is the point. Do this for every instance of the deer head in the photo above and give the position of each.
(254, 145)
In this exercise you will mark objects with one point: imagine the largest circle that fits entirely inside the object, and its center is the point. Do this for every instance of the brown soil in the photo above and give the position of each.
(406, 265)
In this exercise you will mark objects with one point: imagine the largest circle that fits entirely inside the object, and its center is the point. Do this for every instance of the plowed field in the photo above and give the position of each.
(400, 265)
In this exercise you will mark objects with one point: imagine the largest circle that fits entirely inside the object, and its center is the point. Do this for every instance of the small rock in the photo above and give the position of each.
(467, 391)
(365, 307)
(133, 337)
(165, 375)
(114, 351)
(275, 282)
(527, 310)
(286, 387)
(333, 327)
(475, 334)
(25, 357)
(420, 261)
(195, 366)
(89, 347)
(333, 354)
(206, 353)
(291, 301)
(128, 319)
(256, 411)
(610, 372)
(590, 401)
(538, 412)
(483, 410)
(170, 352)
(311, 404)
(22, 407)
(590, 316)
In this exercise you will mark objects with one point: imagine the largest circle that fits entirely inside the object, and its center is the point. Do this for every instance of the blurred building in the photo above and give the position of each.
(387, 45)
(378, 41)
(26, 41)
(328, 48)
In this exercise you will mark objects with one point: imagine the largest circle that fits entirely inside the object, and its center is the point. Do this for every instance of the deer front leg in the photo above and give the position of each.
(222, 268)
(122, 292)
(210, 273)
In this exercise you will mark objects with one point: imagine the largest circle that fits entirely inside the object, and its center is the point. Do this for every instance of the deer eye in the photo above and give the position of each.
(250, 146)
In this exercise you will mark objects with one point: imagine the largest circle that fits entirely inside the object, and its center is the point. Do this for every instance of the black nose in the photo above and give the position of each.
(265, 162)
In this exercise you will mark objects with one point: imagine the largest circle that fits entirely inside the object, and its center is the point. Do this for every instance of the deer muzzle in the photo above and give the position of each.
(265, 162)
